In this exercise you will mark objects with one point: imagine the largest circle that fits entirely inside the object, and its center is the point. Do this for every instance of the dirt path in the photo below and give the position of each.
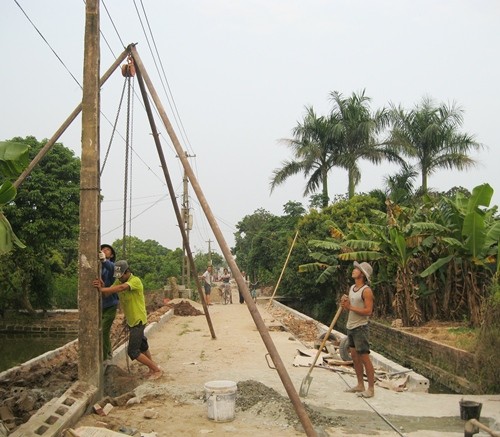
(190, 358)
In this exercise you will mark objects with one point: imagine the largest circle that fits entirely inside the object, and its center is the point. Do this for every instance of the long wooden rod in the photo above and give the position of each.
(283, 269)
(171, 191)
(259, 322)
(44, 150)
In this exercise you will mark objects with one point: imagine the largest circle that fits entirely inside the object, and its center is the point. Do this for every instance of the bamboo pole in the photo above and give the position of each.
(283, 269)
(45, 149)
(254, 312)
(171, 191)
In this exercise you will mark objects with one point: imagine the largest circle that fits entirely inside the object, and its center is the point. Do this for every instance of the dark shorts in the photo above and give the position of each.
(358, 339)
(137, 342)
(208, 288)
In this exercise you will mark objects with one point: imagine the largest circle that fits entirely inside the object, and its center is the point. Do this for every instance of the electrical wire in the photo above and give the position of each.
(113, 23)
(138, 215)
(183, 130)
(48, 44)
(78, 83)
(158, 70)
(172, 106)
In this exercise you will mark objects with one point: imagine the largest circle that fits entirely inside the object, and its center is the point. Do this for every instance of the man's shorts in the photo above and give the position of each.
(358, 339)
(137, 342)
(208, 288)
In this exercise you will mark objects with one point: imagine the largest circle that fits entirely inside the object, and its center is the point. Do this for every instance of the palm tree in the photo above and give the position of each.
(430, 134)
(356, 130)
(315, 154)
(399, 187)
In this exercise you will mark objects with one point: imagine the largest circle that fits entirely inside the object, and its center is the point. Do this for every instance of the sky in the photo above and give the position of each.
(235, 77)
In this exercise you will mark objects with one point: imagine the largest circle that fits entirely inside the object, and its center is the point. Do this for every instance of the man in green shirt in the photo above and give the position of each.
(132, 302)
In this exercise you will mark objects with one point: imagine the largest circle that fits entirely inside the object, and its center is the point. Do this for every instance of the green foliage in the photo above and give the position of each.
(65, 291)
(355, 132)
(45, 215)
(488, 344)
(316, 152)
(430, 134)
(358, 209)
(203, 260)
(13, 160)
(150, 261)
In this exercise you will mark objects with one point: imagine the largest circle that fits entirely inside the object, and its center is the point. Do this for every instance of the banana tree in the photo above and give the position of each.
(469, 255)
(396, 242)
(13, 160)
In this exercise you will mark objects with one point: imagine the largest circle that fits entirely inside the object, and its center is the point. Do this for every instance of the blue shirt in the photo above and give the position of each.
(107, 272)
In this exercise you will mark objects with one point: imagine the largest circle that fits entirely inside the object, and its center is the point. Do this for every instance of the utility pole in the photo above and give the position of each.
(89, 299)
(209, 252)
(187, 220)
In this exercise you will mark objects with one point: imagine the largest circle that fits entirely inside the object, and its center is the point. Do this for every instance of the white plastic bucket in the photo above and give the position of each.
(221, 398)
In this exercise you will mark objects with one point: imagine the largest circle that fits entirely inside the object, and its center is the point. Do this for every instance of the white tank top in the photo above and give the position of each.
(355, 320)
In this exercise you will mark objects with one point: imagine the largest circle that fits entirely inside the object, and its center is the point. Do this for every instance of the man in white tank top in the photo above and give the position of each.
(359, 303)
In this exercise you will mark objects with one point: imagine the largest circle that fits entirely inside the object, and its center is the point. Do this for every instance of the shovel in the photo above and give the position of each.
(306, 382)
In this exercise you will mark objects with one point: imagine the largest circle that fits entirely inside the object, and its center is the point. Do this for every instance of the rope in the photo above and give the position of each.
(374, 409)
(114, 127)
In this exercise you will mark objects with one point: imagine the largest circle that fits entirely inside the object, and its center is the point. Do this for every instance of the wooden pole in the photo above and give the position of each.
(89, 300)
(171, 191)
(283, 270)
(45, 149)
(254, 312)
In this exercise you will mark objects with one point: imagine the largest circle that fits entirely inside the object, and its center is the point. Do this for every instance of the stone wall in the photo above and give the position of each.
(447, 365)
(13, 330)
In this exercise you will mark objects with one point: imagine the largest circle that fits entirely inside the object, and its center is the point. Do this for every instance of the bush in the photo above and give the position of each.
(65, 292)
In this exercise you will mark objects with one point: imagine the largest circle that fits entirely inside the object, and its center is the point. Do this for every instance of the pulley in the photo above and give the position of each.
(128, 69)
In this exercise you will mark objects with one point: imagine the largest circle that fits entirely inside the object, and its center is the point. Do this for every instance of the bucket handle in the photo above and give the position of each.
(207, 396)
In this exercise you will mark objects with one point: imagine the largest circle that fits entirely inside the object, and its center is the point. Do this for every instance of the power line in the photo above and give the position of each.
(165, 76)
(113, 23)
(170, 100)
(138, 215)
(46, 42)
(78, 83)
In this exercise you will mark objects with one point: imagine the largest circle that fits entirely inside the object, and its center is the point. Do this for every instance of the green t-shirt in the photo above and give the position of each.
(132, 302)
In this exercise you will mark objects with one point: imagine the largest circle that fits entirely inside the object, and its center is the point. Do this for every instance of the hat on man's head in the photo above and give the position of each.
(120, 268)
(113, 253)
(365, 268)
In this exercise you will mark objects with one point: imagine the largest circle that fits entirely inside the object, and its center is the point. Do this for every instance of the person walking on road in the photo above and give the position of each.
(359, 303)
(242, 299)
(207, 284)
(110, 301)
(134, 307)
(226, 278)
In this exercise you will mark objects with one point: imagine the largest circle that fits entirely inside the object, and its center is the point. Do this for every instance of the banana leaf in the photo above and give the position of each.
(481, 196)
(362, 244)
(360, 256)
(13, 159)
(322, 244)
(474, 232)
(436, 266)
(7, 193)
